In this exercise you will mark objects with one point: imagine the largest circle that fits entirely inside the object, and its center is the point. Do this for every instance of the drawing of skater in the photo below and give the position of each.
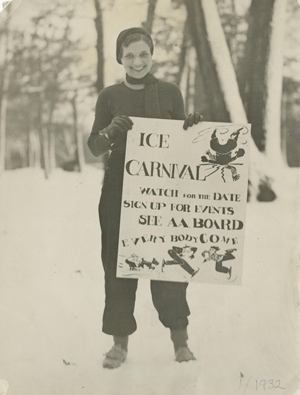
(178, 254)
(215, 255)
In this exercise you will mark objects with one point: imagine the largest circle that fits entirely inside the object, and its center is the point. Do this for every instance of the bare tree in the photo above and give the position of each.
(4, 84)
(208, 38)
(3, 97)
(262, 89)
(183, 53)
(78, 134)
(201, 102)
(99, 46)
(44, 136)
(220, 81)
(150, 16)
(51, 136)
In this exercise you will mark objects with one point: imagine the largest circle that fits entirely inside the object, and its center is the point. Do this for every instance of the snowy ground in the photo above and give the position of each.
(51, 293)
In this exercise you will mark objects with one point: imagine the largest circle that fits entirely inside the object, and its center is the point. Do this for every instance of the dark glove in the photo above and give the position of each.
(119, 124)
(192, 119)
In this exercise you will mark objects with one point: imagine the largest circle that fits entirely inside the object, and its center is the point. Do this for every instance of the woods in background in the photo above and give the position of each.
(228, 62)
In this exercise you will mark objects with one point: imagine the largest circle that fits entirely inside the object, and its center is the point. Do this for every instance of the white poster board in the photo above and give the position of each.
(184, 202)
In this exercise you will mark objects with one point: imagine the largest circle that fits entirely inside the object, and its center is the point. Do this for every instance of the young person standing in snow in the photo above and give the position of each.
(140, 95)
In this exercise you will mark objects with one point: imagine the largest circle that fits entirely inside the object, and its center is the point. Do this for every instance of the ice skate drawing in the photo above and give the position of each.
(178, 254)
(213, 255)
(222, 153)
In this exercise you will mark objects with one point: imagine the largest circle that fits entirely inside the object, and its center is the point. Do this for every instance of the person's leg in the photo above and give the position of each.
(220, 268)
(118, 316)
(117, 354)
(179, 338)
(120, 293)
(169, 299)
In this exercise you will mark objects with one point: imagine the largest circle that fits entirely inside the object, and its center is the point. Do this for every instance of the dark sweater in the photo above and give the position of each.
(120, 100)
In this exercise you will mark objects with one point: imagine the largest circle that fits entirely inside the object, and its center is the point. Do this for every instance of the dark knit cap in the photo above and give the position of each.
(128, 32)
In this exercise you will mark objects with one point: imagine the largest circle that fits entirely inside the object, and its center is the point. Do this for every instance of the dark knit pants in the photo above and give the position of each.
(169, 298)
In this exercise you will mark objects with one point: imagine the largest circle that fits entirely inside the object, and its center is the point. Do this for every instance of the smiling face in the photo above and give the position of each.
(137, 59)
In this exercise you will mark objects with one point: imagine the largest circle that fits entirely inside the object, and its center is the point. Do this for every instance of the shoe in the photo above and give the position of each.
(229, 273)
(115, 357)
(195, 272)
(184, 354)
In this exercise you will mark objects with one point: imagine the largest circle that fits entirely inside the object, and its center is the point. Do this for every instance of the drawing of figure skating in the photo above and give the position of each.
(214, 254)
(179, 256)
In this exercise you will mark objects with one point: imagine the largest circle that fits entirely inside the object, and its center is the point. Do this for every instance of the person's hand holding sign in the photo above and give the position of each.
(192, 119)
(119, 124)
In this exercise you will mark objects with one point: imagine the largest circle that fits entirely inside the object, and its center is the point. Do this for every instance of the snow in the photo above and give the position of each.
(51, 292)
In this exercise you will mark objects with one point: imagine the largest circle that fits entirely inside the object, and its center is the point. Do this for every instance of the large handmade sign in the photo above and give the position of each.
(184, 202)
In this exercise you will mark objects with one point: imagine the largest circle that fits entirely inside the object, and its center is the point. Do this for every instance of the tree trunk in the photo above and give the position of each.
(33, 148)
(52, 158)
(191, 81)
(3, 114)
(208, 47)
(220, 81)
(150, 16)
(44, 142)
(99, 46)
(4, 41)
(28, 142)
(274, 77)
(78, 136)
(183, 54)
(51, 138)
(187, 90)
(233, 35)
(284, 132)
(263, 75)
(5, 17)
(201, 103)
